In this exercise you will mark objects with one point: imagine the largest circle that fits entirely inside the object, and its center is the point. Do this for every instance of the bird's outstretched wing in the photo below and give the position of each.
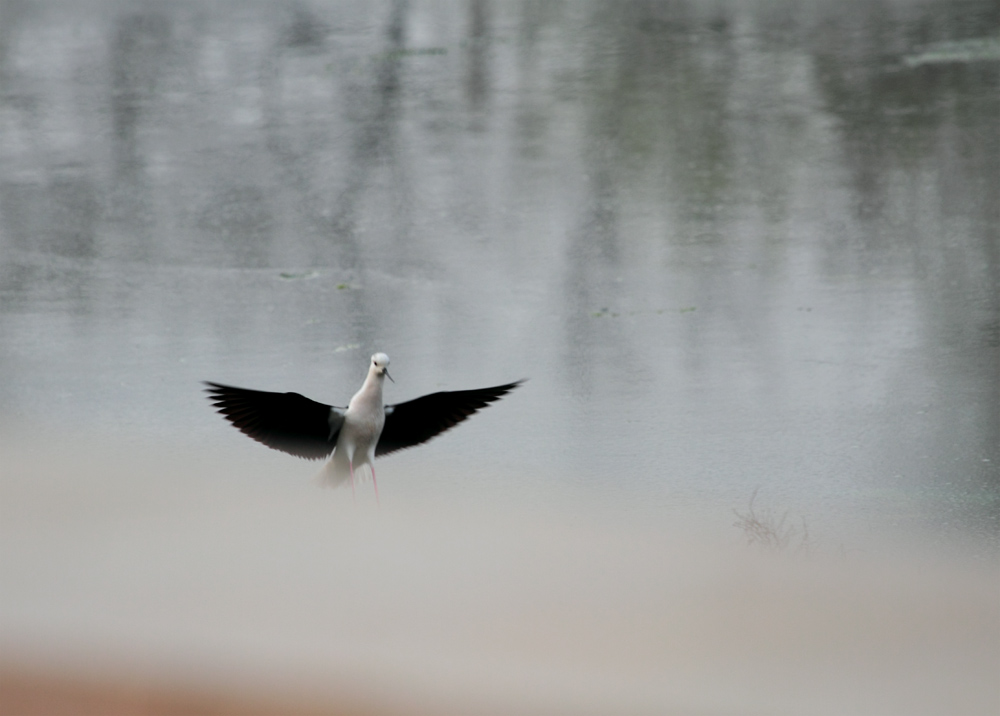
(417, 421)
(284, 421)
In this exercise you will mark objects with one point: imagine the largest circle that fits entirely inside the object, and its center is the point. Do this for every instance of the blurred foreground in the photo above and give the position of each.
(140, 580)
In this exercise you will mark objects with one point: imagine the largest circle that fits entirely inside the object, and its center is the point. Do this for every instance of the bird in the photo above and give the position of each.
(355, 435)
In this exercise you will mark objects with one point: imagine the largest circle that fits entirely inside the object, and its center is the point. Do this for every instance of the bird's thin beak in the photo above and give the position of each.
(386, 371)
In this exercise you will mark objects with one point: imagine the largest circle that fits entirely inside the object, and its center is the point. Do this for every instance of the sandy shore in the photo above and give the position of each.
(39, 692)
(161, 584)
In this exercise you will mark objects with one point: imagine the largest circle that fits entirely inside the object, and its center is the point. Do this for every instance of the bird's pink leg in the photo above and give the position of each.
(354, 495)
(375, 482)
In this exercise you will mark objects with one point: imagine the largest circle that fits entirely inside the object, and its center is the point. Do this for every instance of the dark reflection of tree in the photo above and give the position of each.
(60, 215)
(370, 112)
(375, 123)
(477, 80)
(533, 110)
(137, 58)
(305, 31)
(655, 115)
(11, 13)
(593, 260)
(74, 212)
(137, 50)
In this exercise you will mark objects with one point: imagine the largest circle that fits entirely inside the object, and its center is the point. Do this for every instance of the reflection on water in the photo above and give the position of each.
(735, 246)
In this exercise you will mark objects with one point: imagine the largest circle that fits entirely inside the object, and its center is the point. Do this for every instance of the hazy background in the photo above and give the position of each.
(735, 247)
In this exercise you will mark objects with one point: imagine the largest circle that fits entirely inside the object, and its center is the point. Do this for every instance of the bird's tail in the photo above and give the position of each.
(335, 472)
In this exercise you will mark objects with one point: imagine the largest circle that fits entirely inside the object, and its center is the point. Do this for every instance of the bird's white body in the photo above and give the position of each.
(363, 423)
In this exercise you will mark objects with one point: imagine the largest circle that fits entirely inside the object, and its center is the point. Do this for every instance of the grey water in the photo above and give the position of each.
(741, 250)
(734, 246)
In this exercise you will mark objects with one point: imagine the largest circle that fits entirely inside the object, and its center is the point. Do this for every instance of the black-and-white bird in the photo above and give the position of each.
(355, 435)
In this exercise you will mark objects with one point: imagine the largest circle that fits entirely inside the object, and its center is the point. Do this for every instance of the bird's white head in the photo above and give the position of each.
(380, 364)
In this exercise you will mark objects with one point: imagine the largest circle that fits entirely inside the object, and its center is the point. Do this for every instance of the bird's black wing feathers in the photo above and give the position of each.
(417, 421)
(284, 421)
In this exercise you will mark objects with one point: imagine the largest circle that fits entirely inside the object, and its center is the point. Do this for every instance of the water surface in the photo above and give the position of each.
(738, 248)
